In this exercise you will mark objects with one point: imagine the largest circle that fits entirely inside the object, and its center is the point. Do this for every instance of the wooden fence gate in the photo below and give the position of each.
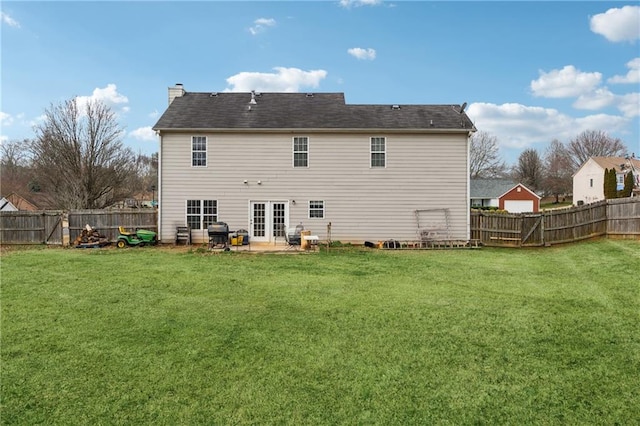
(25, 227)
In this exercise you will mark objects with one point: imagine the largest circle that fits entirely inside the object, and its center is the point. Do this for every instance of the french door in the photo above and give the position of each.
(268, 220)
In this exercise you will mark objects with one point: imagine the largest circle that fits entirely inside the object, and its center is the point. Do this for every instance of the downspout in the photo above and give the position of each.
(159, 185)
(468, 198)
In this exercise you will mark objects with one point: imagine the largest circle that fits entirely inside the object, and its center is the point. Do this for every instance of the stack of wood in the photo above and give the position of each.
(89, 237)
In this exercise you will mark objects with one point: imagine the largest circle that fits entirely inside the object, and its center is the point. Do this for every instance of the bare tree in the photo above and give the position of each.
(484, 156)
(146, 179)
(79, 158)
(15, 171)
(557, 170)
(593, 143)
(529, 170)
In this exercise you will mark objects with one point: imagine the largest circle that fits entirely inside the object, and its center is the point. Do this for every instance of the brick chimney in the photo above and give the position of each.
(175, 92)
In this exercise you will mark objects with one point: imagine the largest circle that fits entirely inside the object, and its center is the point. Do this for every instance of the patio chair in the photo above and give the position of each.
(183, 233)
(294, 240)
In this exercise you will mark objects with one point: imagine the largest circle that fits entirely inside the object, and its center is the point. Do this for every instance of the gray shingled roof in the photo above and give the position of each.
(489, 188)
(302, 111)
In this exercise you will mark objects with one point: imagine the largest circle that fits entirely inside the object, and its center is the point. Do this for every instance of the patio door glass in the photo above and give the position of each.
(268, 220)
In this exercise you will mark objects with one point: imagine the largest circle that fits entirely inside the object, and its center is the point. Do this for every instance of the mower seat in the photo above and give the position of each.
(124, 231)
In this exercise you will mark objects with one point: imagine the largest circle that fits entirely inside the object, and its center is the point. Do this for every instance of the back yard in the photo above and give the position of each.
(157, 336)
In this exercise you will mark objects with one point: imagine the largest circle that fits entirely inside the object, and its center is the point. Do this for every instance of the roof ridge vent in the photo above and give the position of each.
(253, 98)
(309, 95)
(395, 106)
(213, 94)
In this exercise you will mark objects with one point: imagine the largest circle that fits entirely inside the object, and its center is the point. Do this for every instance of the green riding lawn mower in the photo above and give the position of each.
(139, 237)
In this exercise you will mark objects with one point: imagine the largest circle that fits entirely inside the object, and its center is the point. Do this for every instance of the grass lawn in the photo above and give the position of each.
(165, 336)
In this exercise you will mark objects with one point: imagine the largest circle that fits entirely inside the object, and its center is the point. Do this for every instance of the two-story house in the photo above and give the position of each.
(264, 161)
(588, 181)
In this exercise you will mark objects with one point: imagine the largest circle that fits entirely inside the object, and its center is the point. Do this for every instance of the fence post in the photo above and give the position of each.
(65, 229)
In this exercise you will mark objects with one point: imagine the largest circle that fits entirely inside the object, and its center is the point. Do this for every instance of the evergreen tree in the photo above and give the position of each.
(628, 184)
(610, 184)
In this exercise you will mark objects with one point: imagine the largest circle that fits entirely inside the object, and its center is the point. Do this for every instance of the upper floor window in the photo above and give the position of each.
(301, 152)
(316, 209)
(591, 183)
(199, 151)
(378, 152)
(201, 213)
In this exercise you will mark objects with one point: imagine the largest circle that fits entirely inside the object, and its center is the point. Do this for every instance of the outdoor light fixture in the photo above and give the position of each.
(245, 182)
(259, 182)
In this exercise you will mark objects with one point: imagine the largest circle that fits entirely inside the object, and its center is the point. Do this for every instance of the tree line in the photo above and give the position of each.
(76, 160)
(549, 173)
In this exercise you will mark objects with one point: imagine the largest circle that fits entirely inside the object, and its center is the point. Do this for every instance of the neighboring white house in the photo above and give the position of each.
(588, 181)
(264, 161)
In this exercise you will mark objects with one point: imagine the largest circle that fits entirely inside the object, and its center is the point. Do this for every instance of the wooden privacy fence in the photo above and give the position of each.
(25, 227)
(59, 227)
(618, 217)
(107, 221)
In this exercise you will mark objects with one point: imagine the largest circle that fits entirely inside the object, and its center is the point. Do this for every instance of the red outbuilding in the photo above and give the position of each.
(519, 199)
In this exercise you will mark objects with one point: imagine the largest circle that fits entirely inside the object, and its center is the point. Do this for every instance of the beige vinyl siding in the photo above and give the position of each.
(423, 171)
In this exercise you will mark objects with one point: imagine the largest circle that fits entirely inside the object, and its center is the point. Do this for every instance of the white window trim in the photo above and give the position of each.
(324, 209)
(201, 214)
(293, 152)
(371, 151)
(206, 151)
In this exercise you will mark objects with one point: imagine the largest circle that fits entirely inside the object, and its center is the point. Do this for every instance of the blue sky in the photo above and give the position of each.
(530, 72)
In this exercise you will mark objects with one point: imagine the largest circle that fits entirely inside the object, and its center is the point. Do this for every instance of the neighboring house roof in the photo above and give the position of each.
(620, 164)
(21, 203)
(193, 111)
(521, 186)
(489, 188)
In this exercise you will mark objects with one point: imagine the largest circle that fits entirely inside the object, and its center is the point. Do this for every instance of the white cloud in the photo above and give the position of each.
(361, 53)
(3, 139)
(283, 80)
(5, 119)
(154, 114)
(39, 119)
(6, 19)
(261, 24)
(144, 134)
(356, 3)
(629, 104)
(520, 126)
(565, 83)
(633, 76)
(597, 99)
(618, 24)
(108, 95)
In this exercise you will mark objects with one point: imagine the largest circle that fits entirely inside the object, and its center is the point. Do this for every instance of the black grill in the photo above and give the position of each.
(218, 235)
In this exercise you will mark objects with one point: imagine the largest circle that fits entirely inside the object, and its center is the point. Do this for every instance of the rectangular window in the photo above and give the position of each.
(199, 151)
(316, 209)
(300, 152)
(378, 152)
(591, 183)
(201, 213)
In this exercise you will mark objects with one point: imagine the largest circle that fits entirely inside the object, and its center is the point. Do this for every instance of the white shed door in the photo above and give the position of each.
(518, 206)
